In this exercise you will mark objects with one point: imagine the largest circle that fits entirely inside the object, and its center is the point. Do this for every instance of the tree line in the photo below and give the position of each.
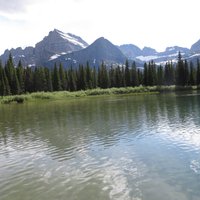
(20, 80)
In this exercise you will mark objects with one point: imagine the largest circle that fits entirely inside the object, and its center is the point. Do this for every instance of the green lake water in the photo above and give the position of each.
(144, 147)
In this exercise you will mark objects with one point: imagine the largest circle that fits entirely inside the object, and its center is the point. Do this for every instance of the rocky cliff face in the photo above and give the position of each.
(57, 43)
(195, 48)
(52, 46)
(27, 56)
(100, 50)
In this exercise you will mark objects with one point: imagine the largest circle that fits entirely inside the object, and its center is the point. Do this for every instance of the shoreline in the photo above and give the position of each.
(61, 95)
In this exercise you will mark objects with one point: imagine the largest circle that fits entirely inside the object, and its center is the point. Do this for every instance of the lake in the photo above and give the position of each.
(144, 147)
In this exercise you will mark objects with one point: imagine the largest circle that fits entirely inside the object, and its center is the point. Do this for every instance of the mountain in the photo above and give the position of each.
(195, 51)
(147, 54)
(195, 48)
(130, 50)
(54, 45)
(70, 49)
(27, 56)
(100, 50)
(146, 51)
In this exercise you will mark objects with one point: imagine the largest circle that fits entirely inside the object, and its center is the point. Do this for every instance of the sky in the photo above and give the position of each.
(152, 23)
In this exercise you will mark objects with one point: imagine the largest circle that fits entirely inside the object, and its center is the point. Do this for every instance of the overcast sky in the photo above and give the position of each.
(152, 23)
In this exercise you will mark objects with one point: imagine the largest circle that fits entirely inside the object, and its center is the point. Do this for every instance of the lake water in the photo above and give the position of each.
(102, 148)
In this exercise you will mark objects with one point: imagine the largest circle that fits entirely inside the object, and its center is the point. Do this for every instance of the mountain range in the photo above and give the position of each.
(71, 50)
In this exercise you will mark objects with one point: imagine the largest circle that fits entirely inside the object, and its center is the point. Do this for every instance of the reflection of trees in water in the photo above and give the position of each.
(65, 125)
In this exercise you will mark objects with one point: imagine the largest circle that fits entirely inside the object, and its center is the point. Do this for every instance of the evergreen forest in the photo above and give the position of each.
(18, 79)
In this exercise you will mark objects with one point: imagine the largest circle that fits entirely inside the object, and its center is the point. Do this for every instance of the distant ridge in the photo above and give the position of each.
(72, 50)
(100, 50)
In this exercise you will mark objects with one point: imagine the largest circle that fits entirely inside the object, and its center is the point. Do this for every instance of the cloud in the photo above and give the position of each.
(14, 6)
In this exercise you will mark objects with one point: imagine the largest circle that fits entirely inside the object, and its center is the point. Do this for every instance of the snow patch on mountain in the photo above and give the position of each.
(170, 49)
(56, 56)
(146, 58)
(71, 38)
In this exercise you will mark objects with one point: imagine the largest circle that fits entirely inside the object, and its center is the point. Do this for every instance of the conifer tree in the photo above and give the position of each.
(81, 78)
(169, 78)
(140, 76)
(127, 75)
(160, 76)
(151, 74)
(63, 80)
(72, 80)
(192, 74)
(4, 85)
(180, 71)
(103, 77)
(146, 73)
(49, 83)
(15, 88)
(112, 77)
(20, 76)
(118, 76)
(29, 86)
(94, 78)
(134, 75)
(56, 79)
(198, 73)
(40, 81)
(9, 70)
(186, 73)
(88, 76)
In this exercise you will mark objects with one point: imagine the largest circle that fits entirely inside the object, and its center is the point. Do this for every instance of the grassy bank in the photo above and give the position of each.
(93, 92)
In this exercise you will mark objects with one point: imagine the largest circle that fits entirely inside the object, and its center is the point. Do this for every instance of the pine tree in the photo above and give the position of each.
(127, 75)
(28, 80)
(72, 80)
(63, 80)
(123, 77)
(56, 79)
(94, 78)
(20, 76)
(112, 77)
(192, 74)
(198, 73)
(169, 74)
(88, 76)
(67, 79)
(180, 71)
(49, 83)
(40, 81)
(146, 73)
(4, 85)
(118, 77)
(81, 78)
(134, 75)
(9, 70)
(160, 76)
(103, 77)
(15, 88)
(140, 76)
(151, 74)
(186, 73)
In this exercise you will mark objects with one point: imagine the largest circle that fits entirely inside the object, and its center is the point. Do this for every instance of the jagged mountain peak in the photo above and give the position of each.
(76, 40)
(57, 43)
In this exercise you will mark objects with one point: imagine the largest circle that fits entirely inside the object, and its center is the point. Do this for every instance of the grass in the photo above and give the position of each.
(93, 92)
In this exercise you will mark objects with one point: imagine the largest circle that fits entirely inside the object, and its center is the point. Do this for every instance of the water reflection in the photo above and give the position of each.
(130, 147)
